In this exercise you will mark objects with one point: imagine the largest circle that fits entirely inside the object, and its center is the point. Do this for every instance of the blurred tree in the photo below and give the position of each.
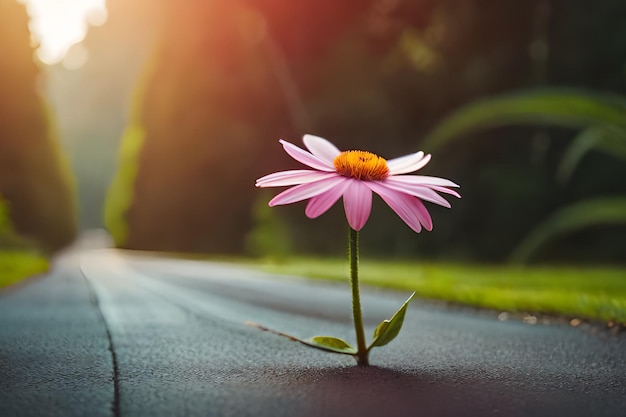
(207, 99)
(34, 179)
(90, 132)
(228, 80)
(9, 240)
(231, 77)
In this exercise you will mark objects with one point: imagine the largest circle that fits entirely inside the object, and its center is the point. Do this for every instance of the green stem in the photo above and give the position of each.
(353, 254)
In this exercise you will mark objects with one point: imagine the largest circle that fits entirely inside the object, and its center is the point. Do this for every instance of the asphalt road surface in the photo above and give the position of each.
(109, 334)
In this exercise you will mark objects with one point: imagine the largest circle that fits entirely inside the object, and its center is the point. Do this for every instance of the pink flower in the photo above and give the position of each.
(353, 175)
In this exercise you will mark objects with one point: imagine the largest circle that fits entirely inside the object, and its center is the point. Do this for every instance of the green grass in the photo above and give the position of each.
(17, 265)
(591, 293)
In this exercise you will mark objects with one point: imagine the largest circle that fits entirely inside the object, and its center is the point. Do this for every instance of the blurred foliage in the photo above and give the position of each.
(229, 78)
(35, 180)
(608, 139)
(16, 265)
(120, 195)
(203, 118)
(92, 103)
(6, 227)
(573, 109)
(8, 237)
(270, 237)
(587, 213)
(121, 191)
(19, 258)
(603, 116)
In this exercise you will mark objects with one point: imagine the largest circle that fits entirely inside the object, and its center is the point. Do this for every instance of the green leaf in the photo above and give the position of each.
(327, 343)
(331, 344)
(577, 216)
(553, 107)
(610, 140)
(389, 329)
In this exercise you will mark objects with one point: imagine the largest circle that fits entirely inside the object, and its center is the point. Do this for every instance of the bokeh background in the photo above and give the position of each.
(155, 118)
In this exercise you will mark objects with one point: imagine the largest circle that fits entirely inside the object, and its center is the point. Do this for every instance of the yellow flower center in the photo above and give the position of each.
(361, 165)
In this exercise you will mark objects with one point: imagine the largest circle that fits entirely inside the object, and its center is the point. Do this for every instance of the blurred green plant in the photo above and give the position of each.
(18, 257)
(6, 228)
(5, 223)
(9, 239)
(570, 108)
(602, 118)
(576, 216)
(608, 139)
(16, 265)
(269, 237)
(120, 195)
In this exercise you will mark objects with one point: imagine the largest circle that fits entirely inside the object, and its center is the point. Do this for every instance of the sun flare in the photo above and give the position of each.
(57, 25)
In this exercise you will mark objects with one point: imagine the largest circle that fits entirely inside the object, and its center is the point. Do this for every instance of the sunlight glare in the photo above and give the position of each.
(56, 25)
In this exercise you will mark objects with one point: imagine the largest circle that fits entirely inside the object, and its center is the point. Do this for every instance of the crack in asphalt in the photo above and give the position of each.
(183, 350)
(93, 298)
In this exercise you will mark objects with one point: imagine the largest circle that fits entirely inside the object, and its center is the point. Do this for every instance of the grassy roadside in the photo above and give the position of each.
(592, 293)
(17, 265)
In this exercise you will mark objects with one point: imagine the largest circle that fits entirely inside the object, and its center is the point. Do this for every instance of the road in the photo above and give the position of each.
(110, 334)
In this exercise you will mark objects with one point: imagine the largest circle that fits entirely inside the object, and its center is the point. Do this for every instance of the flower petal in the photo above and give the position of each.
(423, 214)
(410, 209)
(304, 191)
(424, 180)
(420, 191)
(445, 190)
(321, 148)
(357, 202)
(320, 204)
(306, 158)
(293, 177)
(408, 163)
